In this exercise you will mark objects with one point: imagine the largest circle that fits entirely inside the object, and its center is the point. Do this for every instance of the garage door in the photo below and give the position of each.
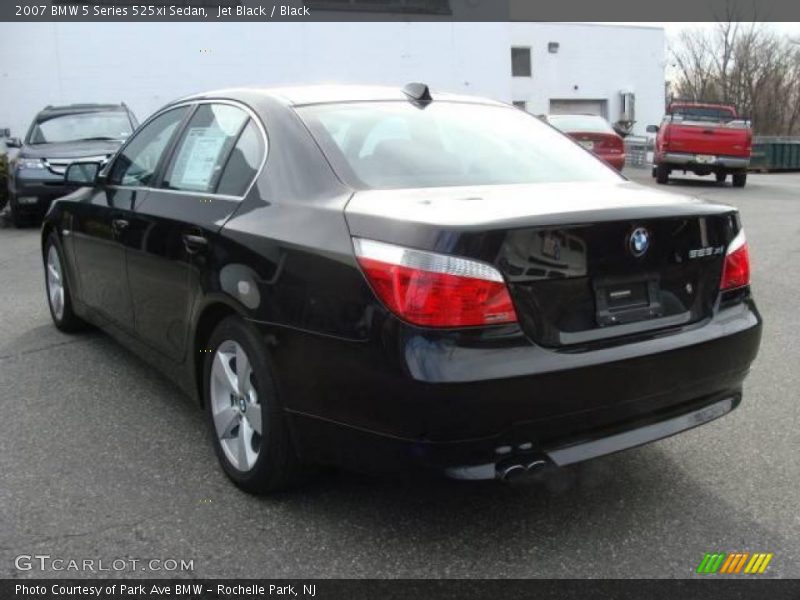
(579, 107)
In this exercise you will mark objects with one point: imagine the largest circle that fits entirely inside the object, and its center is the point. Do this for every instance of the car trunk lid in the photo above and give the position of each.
(584, 262)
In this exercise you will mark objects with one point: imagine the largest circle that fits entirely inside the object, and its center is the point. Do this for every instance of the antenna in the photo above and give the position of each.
(418, 93)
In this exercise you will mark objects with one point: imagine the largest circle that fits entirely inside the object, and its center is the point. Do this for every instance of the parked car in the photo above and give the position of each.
(5, 133)
(58, 136)
(704, 139)
(388, 280)
(593, 133)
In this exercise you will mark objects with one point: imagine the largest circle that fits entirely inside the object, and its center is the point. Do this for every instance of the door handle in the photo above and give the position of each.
(194, 243)
(119, 225)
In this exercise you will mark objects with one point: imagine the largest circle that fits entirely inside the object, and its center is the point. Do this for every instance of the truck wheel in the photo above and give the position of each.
(653, 172)
(739, 179)
(662, 174)
(721, 177)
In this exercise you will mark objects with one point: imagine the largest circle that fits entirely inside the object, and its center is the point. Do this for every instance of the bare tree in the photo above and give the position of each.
(745, 64)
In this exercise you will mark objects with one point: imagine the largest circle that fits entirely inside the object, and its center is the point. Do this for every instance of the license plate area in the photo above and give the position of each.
(620, 300)
(705, 159)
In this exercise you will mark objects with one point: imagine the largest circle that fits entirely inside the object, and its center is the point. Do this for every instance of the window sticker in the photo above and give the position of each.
(198, 158)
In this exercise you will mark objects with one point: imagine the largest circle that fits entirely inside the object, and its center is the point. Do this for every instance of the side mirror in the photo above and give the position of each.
(13, 142)
(652, 129)
(82, 173)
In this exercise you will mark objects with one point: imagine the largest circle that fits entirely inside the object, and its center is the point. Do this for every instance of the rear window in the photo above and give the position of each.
(702, 113)
(582, 123)
(398, 145)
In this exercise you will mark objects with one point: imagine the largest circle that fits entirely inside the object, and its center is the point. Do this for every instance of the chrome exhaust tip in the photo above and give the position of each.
(520, 469)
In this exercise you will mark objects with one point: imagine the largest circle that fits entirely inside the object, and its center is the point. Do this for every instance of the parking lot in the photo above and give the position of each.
(101, 458)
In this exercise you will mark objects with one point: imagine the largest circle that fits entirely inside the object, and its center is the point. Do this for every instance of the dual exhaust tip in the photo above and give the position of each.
(515, 470)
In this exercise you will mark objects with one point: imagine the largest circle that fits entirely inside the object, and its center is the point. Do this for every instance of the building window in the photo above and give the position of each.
(520, 104)
(520, 62)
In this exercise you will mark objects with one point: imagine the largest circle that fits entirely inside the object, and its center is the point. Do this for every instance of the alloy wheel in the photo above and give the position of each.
(55, 283)
(235, 407)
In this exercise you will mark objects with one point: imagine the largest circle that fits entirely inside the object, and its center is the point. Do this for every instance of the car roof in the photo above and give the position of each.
(49, 112)
(335, 93)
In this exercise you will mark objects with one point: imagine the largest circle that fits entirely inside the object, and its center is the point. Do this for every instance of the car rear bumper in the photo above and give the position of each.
(727, 162)
(615, 160)
(454, 407)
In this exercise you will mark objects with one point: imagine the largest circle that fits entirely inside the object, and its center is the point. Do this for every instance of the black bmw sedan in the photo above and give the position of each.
(388, 279)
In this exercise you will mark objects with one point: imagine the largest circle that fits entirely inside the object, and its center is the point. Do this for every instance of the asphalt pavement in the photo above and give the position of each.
(103, 459)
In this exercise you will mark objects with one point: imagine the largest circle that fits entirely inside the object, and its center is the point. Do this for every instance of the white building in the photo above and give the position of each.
(572, 67)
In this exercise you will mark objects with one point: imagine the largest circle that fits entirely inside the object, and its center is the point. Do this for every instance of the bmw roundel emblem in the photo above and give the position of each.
(639, 241)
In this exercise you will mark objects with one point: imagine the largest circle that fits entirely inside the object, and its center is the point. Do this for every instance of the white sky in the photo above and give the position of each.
(672, 29)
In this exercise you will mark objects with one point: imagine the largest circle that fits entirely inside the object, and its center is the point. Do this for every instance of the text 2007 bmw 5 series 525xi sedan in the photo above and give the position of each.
(388, 280)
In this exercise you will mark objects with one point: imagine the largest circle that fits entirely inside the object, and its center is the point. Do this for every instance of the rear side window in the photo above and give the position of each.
(137, 162)
(398, 145)
(243, 162)
(207, 141)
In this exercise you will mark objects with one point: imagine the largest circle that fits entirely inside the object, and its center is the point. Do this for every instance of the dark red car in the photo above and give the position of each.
(593, 133)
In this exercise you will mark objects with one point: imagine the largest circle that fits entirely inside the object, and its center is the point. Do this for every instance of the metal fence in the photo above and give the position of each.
(638, 152)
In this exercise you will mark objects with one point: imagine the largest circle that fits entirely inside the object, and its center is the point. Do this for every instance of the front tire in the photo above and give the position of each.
(58, 291)
(248, 425)
(18, 220)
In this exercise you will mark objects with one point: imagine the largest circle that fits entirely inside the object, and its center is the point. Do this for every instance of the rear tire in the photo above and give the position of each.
(248, 425)
(739, 179)
(58, 290)
(721, 177)
(662, 174)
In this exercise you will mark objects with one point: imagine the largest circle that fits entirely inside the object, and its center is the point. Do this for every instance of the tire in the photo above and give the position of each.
(258, 463)
(721, 177)
(739, 179)
(17, 218)
(653, 172)
(662, 174)
(56, 282)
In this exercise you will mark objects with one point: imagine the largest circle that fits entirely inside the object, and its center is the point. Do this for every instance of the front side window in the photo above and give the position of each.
(76, 127)
(137, 162)
(204, 148)
(398, 145)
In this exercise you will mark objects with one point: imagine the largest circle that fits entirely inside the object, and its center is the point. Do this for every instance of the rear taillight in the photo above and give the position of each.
(736, 271)
(435, 290)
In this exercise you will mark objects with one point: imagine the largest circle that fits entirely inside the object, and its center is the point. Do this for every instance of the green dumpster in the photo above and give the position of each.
(775, 154)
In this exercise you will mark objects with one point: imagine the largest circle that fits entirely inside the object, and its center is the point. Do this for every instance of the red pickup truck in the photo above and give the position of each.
(704, 139)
